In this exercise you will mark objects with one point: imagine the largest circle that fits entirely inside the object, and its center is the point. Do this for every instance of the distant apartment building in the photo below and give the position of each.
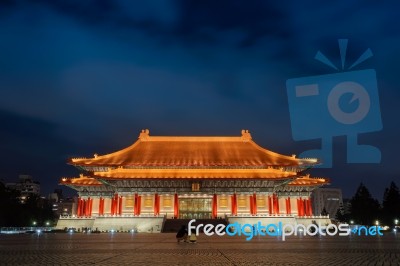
(61, 206)
(26, 186)
(329, 199)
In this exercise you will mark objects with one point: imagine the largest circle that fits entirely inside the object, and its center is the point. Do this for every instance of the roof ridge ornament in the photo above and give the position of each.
(144, 134)
(246, 136)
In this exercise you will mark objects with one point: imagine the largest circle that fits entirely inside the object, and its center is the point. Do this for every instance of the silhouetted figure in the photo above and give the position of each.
(182, 234)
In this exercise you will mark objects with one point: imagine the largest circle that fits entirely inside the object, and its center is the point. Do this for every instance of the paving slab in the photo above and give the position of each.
(162, 249)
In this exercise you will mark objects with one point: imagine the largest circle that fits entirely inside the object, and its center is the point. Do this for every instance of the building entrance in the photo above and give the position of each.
(195, 208)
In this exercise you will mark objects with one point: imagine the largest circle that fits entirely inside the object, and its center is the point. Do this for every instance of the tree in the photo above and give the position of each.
(341, 214)
(10, 208)
(391, 204)
(364, 209)
(14, 213)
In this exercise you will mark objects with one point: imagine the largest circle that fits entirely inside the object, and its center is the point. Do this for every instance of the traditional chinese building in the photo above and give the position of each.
(174, 177)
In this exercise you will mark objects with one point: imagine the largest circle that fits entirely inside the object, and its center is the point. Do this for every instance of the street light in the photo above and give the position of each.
(47, 223)
(34, 223)
(396, 221)
(376, 222)
(351, 222)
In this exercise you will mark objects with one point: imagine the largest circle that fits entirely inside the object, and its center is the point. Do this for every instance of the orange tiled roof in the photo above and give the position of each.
(268, 173)
(154, 151)
(308, 181)
(190, 173)
(80, 181)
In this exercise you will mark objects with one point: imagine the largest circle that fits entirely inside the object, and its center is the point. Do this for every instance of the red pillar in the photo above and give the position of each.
(90, 206)
(305, 207)
(87, 207)
(214, 207)
(112, 206)
(234, 204)
(81, 207)
(299, 207)
(135, 205)
(254, 204)
(289, 205)
(120, 205)
(308, 207)
(156, 204)
(276, 204)
(270, 210)
(78, 209)
(232, 207)
(139, 205)
(251, 205)
(302, 207)
(176, 206)
(101, 204)
(116, 204)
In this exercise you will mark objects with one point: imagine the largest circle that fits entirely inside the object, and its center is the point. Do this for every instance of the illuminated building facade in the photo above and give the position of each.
(174, 177)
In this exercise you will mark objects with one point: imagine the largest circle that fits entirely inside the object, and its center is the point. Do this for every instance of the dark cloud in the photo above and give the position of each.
(32, 146)
(204, 20)
(83, 77)
(196, 22)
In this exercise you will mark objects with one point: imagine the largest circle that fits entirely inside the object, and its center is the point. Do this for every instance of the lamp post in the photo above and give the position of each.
(396, 221)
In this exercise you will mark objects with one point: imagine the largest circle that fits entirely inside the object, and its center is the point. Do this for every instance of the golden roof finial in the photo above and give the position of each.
(144, 134)
(246, 136)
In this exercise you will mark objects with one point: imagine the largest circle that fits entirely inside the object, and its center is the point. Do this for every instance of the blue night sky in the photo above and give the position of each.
(84, 77)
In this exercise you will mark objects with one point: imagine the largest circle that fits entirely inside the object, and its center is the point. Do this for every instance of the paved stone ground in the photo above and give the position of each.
(162, 249)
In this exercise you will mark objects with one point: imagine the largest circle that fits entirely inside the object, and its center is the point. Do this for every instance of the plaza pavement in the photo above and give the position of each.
(162, 249)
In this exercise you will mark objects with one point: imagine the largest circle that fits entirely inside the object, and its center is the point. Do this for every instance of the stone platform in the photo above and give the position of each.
(155, 223)
(162, 249)
(116, 223)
